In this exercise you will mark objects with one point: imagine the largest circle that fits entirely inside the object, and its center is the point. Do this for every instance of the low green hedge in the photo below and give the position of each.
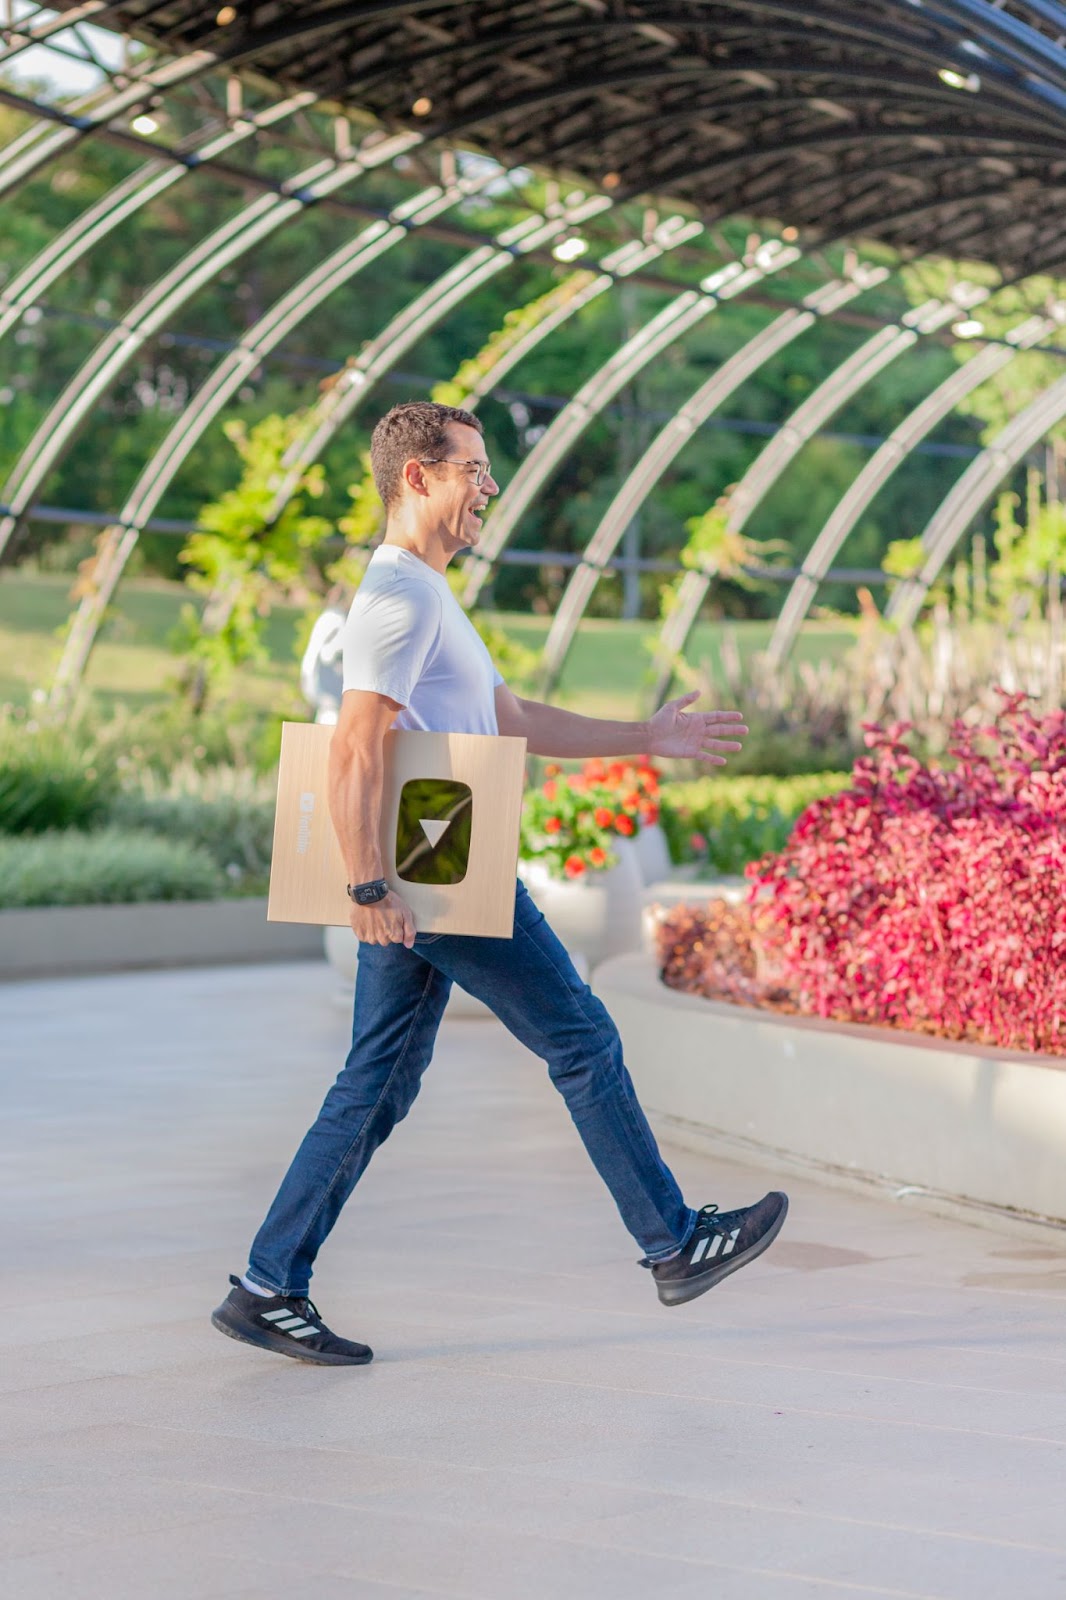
(740, 818)
(237, 833)
(112, 866)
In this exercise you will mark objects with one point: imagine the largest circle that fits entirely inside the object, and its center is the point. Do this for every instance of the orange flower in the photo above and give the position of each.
(552, 825)
(603, 816)
(573, 866)
(596, 771)
(597, 856)
(616, 772)
(550, 791)
(631, 800)
(649, 814)
(552, 770)
(625, 824)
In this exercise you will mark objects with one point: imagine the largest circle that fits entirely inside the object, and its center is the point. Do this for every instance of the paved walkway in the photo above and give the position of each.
(877, 1408)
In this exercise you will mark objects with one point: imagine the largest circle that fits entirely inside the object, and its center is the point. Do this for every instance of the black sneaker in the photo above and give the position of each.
(720, 1242)
(289, 1324)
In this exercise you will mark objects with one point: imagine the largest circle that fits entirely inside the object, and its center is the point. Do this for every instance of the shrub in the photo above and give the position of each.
(227, 813)
(114, 865)
(47, 782)
(931, 898)
(723, 823)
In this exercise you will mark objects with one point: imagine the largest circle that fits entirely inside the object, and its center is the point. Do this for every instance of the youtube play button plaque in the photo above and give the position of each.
(433, 831)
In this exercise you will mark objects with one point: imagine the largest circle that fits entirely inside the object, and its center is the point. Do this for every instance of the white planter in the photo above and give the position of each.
(652, 853)
(597, 915)
(955, 1124)
(60, 941)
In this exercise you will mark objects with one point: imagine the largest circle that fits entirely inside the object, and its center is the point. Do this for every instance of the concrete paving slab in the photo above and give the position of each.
(876, 1408)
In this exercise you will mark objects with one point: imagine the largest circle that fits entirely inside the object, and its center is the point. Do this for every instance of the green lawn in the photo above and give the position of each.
(133, 662)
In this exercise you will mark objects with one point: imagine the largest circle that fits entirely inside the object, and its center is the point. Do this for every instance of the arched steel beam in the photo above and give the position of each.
(1000, 101)
(17, 166)
(248, 44)
(21, 160)
(1037, 51)
(410, 324)
(119, 203)
(119, 540)
(674, 320)
(253, 223)
(36, 29)
(845, 381)
(972, 491)
(830, 142)
(1015, 39)
(669, 443)
(880, 467)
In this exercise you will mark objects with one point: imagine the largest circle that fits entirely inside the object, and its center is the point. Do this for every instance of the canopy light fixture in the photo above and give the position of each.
(570, 249)
(968, 328)
(144, 124)
(959, 80)
(422, 106)
(227, 15)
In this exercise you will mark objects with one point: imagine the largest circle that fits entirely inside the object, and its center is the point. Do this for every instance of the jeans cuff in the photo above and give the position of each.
(655, 1258)
(269, 1287)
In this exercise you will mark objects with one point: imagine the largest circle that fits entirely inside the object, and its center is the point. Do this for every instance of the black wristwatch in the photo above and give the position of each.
(368, 894)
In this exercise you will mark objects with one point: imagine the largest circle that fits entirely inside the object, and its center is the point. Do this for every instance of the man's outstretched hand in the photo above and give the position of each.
(700, 735)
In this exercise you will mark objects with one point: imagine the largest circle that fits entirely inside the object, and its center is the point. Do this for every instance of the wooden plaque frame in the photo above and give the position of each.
(307, 874)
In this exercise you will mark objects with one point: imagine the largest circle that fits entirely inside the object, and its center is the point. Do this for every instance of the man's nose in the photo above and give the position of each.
(489, 484)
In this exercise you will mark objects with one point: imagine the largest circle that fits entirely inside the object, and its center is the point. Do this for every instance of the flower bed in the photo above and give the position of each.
(924, 898)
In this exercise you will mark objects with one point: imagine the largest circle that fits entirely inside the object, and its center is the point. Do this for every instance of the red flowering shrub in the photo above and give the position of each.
(931, 898)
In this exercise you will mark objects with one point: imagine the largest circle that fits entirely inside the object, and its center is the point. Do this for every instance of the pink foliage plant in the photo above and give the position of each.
(931, 898)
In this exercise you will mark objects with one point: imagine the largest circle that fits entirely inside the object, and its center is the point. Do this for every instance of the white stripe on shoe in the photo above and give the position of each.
(302, 1333)
(276, 1316)
(701, 1249)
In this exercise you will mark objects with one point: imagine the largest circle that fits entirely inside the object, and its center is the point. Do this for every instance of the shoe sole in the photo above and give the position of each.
(686, 1289)
(278, 1345)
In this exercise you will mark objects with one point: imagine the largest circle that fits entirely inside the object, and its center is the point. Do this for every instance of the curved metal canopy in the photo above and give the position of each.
(911, 121)
(929, 124)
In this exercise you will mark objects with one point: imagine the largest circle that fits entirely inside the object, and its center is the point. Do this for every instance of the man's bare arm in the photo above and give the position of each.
(356, 779)
(672, 731)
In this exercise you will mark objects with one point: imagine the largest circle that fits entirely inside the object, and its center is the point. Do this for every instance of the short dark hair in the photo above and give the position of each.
(415, 430)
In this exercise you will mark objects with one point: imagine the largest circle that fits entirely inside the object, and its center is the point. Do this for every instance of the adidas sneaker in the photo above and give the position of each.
(720, 1242)
(287, 1324)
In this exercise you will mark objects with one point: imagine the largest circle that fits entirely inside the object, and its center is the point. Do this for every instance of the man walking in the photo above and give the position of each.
(412, 659)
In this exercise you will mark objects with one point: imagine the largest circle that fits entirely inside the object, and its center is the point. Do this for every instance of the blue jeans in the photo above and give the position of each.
(530, 983)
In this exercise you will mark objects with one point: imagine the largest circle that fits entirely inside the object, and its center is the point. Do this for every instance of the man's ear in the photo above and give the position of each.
(414, 475)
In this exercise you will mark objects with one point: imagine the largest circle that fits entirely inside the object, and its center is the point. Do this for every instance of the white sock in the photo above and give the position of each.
(246, 1283)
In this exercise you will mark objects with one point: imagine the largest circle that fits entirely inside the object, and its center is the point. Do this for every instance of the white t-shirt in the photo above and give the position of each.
(408, 637)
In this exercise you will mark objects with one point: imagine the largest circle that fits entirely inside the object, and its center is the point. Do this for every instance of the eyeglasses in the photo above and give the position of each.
(481, 468)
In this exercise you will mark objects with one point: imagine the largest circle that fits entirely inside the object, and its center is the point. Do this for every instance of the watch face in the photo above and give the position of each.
(433, 831)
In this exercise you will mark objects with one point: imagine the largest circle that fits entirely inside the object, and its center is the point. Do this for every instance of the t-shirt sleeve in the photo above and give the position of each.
(390, 638)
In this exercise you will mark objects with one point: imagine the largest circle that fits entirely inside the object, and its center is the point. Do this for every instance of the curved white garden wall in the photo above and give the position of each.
(977, 1126)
